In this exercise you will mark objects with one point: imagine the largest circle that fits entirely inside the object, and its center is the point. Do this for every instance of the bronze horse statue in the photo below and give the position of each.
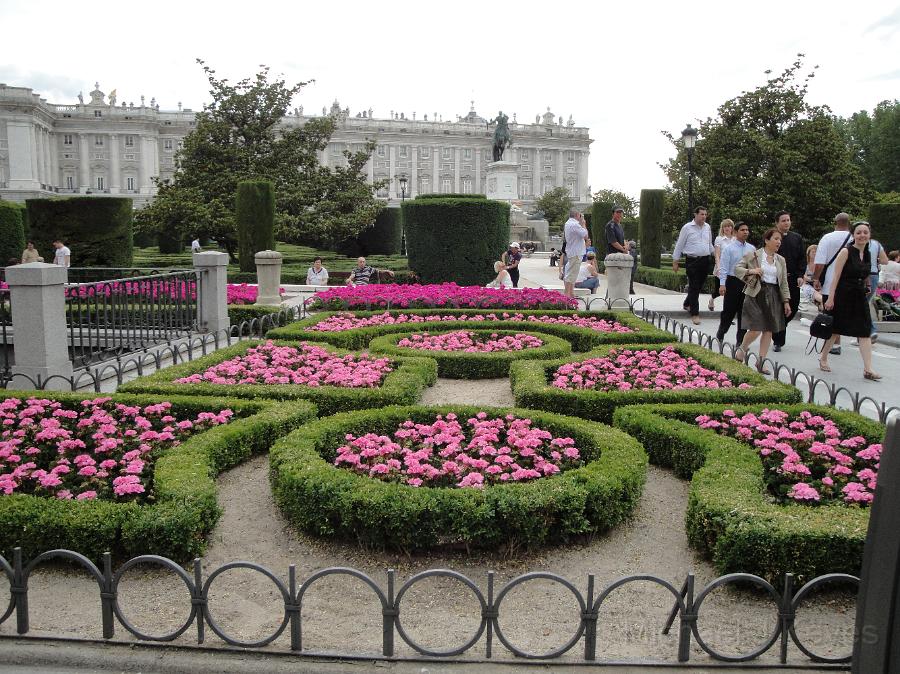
(502, 139)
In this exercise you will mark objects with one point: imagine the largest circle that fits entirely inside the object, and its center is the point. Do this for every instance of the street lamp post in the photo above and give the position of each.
(689, 138)
(403, 183)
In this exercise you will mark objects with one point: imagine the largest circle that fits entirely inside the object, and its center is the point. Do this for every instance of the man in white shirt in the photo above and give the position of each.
(577, 241)
(63, 256)
(829, 246)
(195, 245)
(695, 242)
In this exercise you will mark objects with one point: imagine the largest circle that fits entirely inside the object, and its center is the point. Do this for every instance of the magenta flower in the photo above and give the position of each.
(347, 321)
(469, 342)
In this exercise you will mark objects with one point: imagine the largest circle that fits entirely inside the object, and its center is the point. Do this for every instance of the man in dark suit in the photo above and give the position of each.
(793, 250)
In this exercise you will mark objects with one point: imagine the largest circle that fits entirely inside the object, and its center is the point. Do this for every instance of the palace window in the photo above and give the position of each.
(129, 183)
(70, 182)
(67, 139)
(98, 113)
(447, 153)
(167, 144)
(572, 186)
(523, 155)
(99, 182)
(425, 152)
(129, 141)
(570, 156)
(467, 153)
(98, 141)
(445, 185)
(467, 186)
(404, 151)
(524, 189)
(424, 185)
(379, 151)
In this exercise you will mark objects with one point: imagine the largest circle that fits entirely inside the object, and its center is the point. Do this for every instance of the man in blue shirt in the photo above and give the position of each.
(730, 286)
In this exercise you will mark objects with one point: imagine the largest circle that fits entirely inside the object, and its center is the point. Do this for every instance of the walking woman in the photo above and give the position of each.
(768, 298)
(726, 236)
(847, 299)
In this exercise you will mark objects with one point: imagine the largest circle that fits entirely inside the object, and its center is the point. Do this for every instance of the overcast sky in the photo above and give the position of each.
(626, 71)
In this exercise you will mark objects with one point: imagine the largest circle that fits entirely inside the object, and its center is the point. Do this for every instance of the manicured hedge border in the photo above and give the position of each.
(730, 516)
(184, 509)
(403, 386)
(581, 339)
(464, 365)
(323, 500)
(531, 388)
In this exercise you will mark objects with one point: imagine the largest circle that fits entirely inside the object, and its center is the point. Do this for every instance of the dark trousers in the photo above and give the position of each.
(779, 337)
(696, 269)
(514, 276)
(732, 306)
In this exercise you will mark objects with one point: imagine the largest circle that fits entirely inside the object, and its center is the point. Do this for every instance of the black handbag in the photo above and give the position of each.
(821, 326)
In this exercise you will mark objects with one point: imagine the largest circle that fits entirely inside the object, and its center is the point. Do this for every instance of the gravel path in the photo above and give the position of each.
(340, 613)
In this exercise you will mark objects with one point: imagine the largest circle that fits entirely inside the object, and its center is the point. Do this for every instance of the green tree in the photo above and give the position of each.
(618, 198)
(874, 141)
(555, 204)
(243, 135)
(769, 149)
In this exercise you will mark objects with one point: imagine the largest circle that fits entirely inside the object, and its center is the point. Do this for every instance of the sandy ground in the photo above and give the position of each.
(341, 614)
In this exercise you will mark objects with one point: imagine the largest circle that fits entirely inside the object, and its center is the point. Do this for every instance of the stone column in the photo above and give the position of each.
(392, 170)
(212, 291)
(39, 326)
(268, 277)
(436, 173)
(456, 155)
(370, 167)
(583, 181)
(414, 175)
(84, 169)
(618, 277)
(142, 180)
(477, 171)
(115, 180)
(38, 144)
(536, 174)
(560, 168)
(55, 180)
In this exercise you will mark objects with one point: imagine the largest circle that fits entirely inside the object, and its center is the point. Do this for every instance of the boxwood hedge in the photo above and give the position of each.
(531, 387)
(731, 518)
(183, 509)
(581, 339)
(324, 500)
(403, 386)
(466, 365)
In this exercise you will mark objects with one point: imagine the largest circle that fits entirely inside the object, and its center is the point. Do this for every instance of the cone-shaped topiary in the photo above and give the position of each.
(255, 217)
(651, 219)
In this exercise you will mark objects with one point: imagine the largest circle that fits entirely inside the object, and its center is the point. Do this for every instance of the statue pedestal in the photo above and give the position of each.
(503, 181)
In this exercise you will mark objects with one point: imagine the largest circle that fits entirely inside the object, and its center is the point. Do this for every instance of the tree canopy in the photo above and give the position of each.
(769, 149)
(874, 140)
(243, 135)
(617, 198)
(555, 204)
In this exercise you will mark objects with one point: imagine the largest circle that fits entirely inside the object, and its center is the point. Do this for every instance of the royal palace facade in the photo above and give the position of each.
(102, 147)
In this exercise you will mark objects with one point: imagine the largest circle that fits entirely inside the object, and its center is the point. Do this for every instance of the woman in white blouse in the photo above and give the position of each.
(726, 236)
(317, 275)
(768, 296)
(503, 280)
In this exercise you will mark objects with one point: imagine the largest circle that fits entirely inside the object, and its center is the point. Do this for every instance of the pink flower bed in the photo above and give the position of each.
(347, 321)
(447, 454)
(889, 295)
(307, 365)
(241, 293)
(644, 369)
(469, 342)
(439, 295)
(806, 459)
(98, 450)
(238, 293)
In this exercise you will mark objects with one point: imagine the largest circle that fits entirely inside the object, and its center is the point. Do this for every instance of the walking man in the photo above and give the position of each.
(696, 244)
(829, 247)
(63, 256)
(793, 250)
(730, 286)
(615, 235)
(577, 240)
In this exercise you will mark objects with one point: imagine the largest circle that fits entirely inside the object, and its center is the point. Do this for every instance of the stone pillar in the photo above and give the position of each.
(55, 179)
(84, 167)
(536, 175)
(414, 176)
(436, 173)
(142, 180)
(115, 180)
(212, 293)
(478, 171)
(456, 155)
(618, 277)
(39, 325)
(268, 277)
(392, 171)
(560, 168)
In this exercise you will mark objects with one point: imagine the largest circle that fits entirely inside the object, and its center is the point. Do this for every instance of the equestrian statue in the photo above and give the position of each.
(502, 139)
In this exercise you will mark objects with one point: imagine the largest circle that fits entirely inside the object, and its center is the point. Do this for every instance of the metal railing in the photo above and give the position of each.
(687, 610)
(107, 318)
(5, 334)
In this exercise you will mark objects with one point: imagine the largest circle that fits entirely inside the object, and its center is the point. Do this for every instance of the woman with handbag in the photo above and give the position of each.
(847, 299)
(768, 297)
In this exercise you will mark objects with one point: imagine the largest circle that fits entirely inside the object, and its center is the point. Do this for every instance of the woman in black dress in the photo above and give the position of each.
(847, 299)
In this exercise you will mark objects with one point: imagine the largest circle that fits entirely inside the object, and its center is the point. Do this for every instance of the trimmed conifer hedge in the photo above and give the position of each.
(731, 517)
(601, 213)
(12, 232)
(384, 236)
(885, 221)
(254, 215)
(98, 230)
(455, 239)
(184, 508)
(650, 226)
(321, 499)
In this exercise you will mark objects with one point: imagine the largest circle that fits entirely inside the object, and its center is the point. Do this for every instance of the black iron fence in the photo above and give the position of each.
(5, 334)
(687, 610)
(117, 316)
